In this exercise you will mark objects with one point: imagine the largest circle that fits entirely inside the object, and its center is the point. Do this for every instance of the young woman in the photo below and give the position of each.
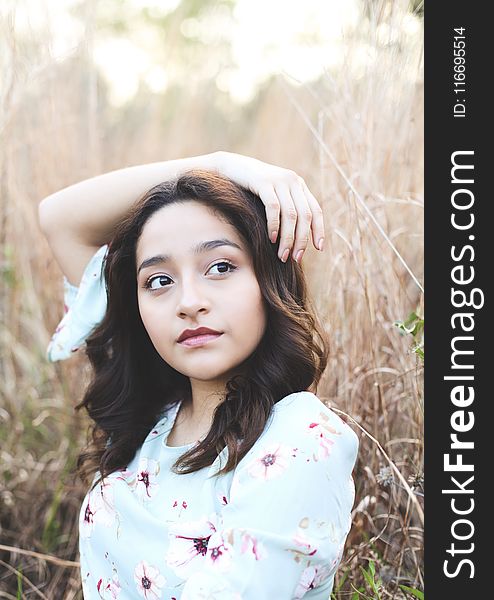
(216, 472)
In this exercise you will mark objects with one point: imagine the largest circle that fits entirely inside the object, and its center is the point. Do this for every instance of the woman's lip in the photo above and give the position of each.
(200, 340)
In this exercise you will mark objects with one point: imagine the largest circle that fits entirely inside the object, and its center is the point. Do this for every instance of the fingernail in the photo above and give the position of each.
(321, 244)
(273, 236)
(285, 255)
(298, 258)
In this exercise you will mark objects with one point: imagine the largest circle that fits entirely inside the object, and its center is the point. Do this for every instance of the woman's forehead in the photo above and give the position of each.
(186, 228)
(187, 217)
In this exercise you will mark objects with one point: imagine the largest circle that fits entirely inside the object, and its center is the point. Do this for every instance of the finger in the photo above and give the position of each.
(288, 221)
(317, 224)
(272, 206)
(304, 219)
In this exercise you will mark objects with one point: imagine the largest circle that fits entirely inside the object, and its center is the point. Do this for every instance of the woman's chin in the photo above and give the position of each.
(207, 375)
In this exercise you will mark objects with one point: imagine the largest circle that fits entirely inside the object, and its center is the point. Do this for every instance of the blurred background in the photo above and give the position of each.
(332, 89)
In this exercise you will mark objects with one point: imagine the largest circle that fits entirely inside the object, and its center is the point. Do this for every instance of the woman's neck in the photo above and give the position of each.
(193, 422)
(198, 408)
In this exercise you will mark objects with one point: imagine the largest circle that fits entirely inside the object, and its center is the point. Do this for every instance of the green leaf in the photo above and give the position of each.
(416, 593)
(368, 577)
(19, 584)
(341, 581)
(419, 352)
(372, 569)
(359, 593)
(413, 325)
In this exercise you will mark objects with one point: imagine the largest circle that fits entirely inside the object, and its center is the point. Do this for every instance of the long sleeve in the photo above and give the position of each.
(282, 531)
(84, 307)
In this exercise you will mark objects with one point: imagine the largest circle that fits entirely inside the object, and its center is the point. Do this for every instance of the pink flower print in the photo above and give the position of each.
(87, 520)
(105, 504)
(312, 577)
(149, 580)
(181, 507)
(109, 588)
(323, 572)
(220, 552)
(189, 544)
(320, 431)
(146, 483)
(124, 474)
(270, 462)
(305, 583)
(99, 508)
(252, 546)
(308, 548)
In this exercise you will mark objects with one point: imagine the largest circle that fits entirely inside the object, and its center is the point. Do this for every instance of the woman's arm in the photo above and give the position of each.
(91, 209)
(82, 217)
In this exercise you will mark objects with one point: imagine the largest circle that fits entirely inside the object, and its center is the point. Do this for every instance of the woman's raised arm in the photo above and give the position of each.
(82, 217)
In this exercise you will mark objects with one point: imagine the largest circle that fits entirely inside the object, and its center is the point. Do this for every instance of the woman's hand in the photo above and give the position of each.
(281, 191)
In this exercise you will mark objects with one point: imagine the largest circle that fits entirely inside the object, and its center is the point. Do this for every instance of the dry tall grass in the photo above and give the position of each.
(357, 138)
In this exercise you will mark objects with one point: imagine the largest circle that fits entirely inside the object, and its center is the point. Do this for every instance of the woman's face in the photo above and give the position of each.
(190, 286)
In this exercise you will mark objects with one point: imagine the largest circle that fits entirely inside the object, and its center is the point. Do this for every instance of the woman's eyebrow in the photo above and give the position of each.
(198, 249)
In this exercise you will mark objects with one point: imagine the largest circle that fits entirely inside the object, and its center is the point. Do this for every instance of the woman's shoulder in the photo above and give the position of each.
(304, 404)
(303, 418)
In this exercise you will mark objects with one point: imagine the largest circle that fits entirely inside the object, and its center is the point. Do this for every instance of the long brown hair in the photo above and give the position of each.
(132, 385)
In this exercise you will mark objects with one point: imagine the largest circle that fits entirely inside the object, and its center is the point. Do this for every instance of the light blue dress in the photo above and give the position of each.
(273, 529)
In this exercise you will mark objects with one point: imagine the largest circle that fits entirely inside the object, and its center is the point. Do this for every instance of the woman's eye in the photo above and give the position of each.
(230, 266)
(222, 268)
(160, 278)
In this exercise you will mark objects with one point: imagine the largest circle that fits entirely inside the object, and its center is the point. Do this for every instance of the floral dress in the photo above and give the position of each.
(273, 528)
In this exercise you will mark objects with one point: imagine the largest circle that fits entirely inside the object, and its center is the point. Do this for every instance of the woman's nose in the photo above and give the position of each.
(192, 298)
